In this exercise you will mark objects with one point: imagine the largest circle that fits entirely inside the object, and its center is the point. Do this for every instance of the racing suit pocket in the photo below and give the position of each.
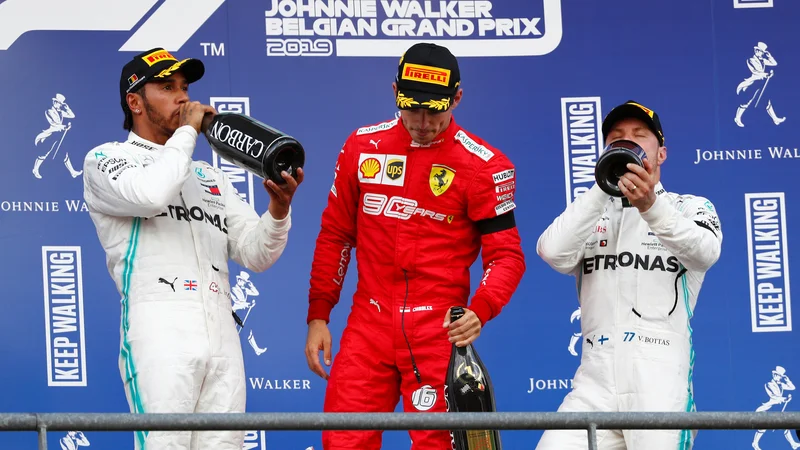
(659, 371)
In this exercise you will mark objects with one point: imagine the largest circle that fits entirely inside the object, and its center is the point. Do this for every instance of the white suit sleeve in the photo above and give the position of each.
(562, 244)
(254, 242)
(115, 183)
(690, 230)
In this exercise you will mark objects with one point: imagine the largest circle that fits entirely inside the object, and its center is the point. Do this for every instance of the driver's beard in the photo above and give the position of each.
(157, 119)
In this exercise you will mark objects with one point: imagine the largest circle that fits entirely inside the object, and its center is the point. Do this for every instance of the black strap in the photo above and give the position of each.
(500, 223)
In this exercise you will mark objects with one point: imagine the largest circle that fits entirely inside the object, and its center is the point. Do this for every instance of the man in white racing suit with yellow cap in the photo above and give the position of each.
(169, 225)
(639, 262)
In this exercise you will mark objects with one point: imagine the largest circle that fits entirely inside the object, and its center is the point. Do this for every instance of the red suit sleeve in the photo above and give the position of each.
(336, 239)
(491, 205)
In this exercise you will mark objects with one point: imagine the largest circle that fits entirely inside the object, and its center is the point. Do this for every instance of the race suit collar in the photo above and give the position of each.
(659, 189)
(444, 137)
(139, 141)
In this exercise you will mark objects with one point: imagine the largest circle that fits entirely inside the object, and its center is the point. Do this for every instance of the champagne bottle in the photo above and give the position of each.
(468, 388)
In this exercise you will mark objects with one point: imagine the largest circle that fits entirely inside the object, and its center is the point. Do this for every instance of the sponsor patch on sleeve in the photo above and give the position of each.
(113, 166)
(504, 197)
(504, 207)
(709, 219)
(711, 223)
(505, 187)
(505, 175)
(473, 147)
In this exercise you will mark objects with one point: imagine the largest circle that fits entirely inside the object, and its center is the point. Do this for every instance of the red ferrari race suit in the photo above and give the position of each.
(418, 216)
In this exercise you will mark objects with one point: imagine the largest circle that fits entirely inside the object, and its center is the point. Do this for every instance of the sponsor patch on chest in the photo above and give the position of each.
(376, 128)
(441, 177)
(204, 174)
(652, 243)
(382, 169)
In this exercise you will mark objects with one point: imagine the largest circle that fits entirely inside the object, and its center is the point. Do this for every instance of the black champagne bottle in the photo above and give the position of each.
(468, 388)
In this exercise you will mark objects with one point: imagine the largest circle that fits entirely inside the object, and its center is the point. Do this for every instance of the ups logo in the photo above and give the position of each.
(394, 168)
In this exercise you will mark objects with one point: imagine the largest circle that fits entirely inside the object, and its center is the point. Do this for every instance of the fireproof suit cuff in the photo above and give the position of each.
(318, 310)
(276, 227)
(482, 308)
(183, 139)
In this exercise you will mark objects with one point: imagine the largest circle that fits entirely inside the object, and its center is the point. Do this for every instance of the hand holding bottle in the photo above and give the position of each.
(465, 330)
(468, 387)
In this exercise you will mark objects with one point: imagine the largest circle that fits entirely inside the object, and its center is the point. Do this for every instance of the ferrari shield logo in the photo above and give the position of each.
(441, 179)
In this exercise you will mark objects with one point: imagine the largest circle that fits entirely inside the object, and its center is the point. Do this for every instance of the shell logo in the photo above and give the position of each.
(370, 167)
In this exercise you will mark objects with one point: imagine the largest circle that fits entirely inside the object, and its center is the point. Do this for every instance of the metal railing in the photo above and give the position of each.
(44, 422)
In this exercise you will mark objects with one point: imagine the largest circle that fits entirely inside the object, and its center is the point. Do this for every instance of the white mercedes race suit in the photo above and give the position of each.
(169, 225)
(638, 277)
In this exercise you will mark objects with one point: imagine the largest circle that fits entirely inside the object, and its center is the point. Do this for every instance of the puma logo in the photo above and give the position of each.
(172, 285)
(374, 143)
(589, 341)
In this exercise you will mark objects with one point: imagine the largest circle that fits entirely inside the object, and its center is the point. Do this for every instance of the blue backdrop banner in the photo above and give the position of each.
(538, 77)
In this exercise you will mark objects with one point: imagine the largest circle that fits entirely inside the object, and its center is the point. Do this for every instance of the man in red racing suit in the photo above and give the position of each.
(419, 197)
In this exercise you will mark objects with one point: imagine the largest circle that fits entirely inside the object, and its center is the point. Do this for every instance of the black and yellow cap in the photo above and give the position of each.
(635, 110)
(154, 64)
(427, 77)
